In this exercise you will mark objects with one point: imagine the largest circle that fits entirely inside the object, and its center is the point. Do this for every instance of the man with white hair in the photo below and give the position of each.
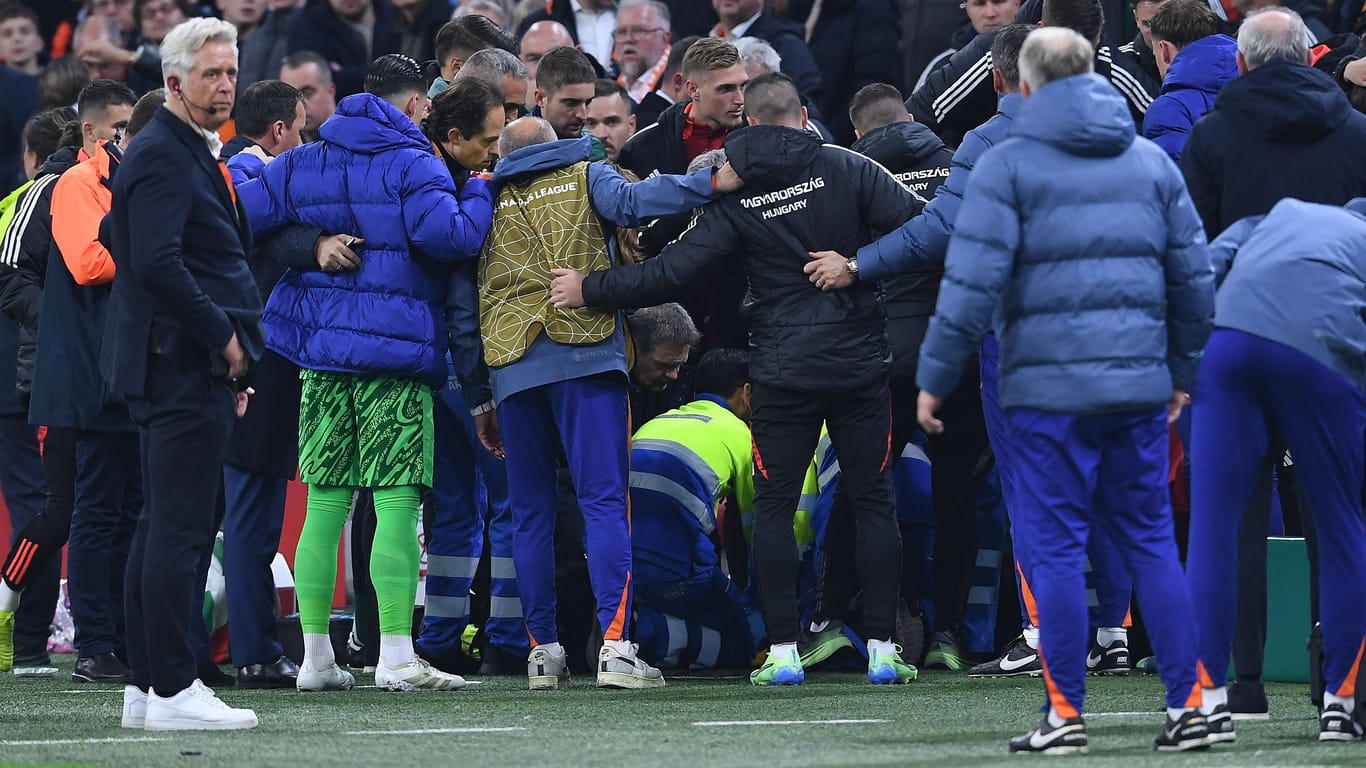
(1102, 301)
(184, 327)
(643, 42)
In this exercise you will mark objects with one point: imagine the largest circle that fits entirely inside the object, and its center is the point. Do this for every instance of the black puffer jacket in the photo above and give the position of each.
(920, 161)
(799, 196)
(23, 261)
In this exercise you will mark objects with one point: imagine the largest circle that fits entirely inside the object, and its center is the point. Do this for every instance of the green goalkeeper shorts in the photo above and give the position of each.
(364, 431)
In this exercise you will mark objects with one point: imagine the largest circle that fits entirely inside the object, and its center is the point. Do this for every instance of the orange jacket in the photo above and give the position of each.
(79, 202)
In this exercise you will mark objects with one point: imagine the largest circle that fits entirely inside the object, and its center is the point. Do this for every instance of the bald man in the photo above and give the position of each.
(539, 38)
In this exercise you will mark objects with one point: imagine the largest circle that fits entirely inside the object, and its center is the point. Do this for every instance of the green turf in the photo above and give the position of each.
(941, 720)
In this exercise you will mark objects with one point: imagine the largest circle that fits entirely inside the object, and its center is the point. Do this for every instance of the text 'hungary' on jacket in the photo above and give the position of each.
(800, 195)
(1103, 295)
(373, 175)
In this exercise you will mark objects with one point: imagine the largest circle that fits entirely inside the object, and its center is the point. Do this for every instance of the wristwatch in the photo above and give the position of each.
(852, 266)
(482, 409)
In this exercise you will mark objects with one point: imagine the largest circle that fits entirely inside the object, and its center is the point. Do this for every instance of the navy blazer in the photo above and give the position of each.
(182, 282)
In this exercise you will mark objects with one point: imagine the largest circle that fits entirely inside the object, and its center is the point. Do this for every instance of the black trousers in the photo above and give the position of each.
(108, 502)
(786, 427)
(184, 420)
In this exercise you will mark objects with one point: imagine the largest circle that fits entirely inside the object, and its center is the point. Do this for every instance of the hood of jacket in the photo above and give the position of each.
(539, 158)
(770, 156)
(1207, 65)
(899, 145)
(1080, 115)
(369, 125)
(1286, 102)
(59, 161)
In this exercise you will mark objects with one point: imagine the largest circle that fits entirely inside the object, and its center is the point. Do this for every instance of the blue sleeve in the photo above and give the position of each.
(441, 226)
(1166, 125)
(462, 330)
(1190, 286)
(980, 260)
(263, 198)
(924, 240)
(629, 204)
(1225, 247)
(244, 167)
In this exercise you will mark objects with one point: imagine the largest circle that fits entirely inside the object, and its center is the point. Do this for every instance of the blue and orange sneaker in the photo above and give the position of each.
(779, 670)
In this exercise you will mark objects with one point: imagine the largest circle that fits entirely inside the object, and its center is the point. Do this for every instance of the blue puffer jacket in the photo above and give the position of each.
(373, 175)
(923, 241)
(1194, 79)
(1084, 237)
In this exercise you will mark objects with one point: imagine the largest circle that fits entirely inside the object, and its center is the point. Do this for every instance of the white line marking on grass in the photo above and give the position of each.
(426, 731)
(56, 742)
(724, 723)
(1122, 714)
(95, 690)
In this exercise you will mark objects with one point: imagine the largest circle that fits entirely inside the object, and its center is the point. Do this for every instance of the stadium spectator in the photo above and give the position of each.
(261, 54)
(854, 43)
(96, 43)
(310, 74)
(609, 116)
(1191, 81)
(184, 328)
(348, 34)
(460, 39)
(642, 55)
(983, 16)
(590, 24)
(564, 373)
(748, 18)
(536, 41)
(504, 71)
(760, 58)
(262, 454)
(20, 46)
(415, 27)
(121, 11)
(494, 10)
(381, 364)
(817, 358)
(1113, 415)
(671, 89)
(243, 14)
(61, 82)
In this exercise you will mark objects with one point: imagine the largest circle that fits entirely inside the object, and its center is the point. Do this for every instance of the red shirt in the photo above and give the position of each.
(699, 138)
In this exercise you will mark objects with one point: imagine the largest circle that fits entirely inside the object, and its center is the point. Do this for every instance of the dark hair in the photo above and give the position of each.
(663, 324)
(465, 106)
(62, 81)
(143, 111)
(771, 96)
(680, 49)
(1182, 22)
(44, 131)
(263, 103)
(18, 11)
(186, 7)
(304, 58)
(876, 105)
(722, 372)
(1005, 51)
(1084, 17)
(471, 33)
(102, 94)
(606, 86)
(393, 75)
(563, 66)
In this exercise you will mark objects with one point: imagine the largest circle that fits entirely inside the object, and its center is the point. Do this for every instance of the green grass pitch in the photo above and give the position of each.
(941, 720)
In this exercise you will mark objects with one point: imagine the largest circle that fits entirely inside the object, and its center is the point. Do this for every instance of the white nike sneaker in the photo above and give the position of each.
(416, 675)
(134, 707)
(331, 678)
(195, 709)
(545, 671)
(626, 671)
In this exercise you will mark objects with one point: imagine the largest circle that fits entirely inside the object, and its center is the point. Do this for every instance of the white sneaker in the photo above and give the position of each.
(332, 678)
(546, 672)
(626, 671)
(416, 675)
(195, 709)
(134, 707)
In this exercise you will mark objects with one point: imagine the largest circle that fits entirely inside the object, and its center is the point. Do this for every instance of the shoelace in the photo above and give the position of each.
(206, 695)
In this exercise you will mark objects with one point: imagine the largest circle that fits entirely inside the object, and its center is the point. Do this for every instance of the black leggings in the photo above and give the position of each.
(45, 536)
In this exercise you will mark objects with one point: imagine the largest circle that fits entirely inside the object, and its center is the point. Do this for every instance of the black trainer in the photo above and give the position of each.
(1113, 659)
(494, 661)
(1337, 724)
(100, 668)
(1220, 725)
(1247, 700)
(1019, 659)
(1188, 732)
(1067, 739)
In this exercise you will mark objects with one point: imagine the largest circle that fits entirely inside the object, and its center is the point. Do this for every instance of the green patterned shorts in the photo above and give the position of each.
(364, 431)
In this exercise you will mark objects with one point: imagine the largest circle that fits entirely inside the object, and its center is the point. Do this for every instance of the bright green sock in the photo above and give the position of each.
(315, 560)
(394, 558)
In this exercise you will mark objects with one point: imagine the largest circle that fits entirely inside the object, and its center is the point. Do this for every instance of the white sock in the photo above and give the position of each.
(1031, 636)
(9, 599)
(1107, 635)
(820, 626)
(1175, 713)
(1054, 719)
(883, 647)
(396, 650)
(1211, 698)
(318, 651)
(783, 650)
(554, 649)
(1348, 704)
(622, 647)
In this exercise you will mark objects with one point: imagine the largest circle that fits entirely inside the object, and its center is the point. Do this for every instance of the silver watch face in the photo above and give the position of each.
(852, 266)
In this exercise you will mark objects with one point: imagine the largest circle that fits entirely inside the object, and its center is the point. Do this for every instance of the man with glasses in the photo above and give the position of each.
(642, 43)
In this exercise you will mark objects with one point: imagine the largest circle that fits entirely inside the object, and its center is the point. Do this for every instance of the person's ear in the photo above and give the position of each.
(1242, 63)
(453, 137)
(541, 98)
(998, 82)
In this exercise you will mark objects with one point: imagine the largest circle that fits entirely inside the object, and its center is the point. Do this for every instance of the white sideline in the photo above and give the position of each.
(722, 723)
(427, 731)
(57, 742)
